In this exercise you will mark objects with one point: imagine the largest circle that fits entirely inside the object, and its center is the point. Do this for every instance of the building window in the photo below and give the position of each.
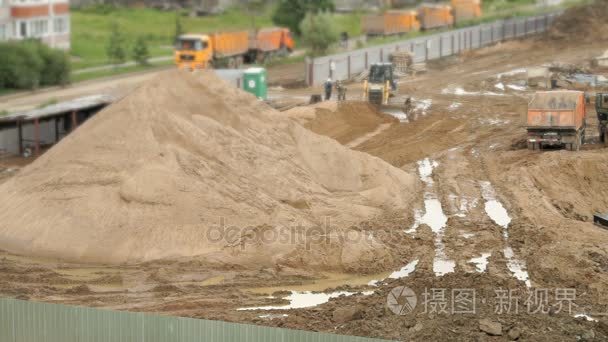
(23, 29)
(60, 25)
(39, 28)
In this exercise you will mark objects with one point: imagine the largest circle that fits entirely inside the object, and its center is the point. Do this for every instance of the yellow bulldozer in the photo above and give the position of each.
(380, 84)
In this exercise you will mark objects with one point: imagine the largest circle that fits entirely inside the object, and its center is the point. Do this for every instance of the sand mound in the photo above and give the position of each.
(585, 174)
(587, 22)
(167, 170)
(343, 121)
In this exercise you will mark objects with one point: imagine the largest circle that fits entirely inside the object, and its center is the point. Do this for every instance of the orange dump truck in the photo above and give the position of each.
(466, 9)
(270, 42)
(391, 22)
(434, 16)
(556, 118)
(230, 49)
(199, 51)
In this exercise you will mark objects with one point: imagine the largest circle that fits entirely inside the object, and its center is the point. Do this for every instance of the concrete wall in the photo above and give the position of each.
(346, 65)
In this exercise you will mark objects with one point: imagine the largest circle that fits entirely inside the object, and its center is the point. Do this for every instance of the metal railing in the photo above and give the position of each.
(343, 66)
(22, 321)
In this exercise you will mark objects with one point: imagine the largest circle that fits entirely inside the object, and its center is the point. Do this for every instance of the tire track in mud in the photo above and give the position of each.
(467, 217)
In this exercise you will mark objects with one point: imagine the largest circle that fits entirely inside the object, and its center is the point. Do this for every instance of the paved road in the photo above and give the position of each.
(124, 65)
(115, 85)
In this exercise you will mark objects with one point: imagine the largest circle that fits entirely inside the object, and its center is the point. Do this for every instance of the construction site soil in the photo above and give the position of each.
(448, 199)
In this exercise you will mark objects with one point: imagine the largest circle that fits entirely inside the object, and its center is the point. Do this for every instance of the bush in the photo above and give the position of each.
(319, 31)
(115, 49)
(29, 64)
(140, 51)
(289, 13)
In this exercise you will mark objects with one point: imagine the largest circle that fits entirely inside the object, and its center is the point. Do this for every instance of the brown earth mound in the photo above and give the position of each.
(583, 23)
(344, 121)
(164, 172)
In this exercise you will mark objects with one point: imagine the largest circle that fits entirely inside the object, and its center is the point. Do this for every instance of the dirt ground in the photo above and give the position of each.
(527, 213)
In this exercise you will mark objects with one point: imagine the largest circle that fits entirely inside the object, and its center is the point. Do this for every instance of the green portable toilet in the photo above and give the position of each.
(254, 81)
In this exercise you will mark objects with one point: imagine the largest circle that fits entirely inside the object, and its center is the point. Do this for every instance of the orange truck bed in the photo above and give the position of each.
(228, 44)
(466, 9)
(433, 16)
(268, 39)
(556, 118)
(391, 22)
(557, 110)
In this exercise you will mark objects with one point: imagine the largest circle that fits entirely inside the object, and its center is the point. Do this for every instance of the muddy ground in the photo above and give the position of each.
(466, 140)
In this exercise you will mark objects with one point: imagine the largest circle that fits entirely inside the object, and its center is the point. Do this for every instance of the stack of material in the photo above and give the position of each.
(402, 61)
(172, 168)
(602, 61)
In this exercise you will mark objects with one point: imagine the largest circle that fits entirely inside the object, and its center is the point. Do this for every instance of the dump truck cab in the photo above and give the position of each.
(380, 84)
(193, 51)
(601, 108)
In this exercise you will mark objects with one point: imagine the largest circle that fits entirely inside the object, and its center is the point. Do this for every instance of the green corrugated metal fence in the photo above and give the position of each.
(24, 321)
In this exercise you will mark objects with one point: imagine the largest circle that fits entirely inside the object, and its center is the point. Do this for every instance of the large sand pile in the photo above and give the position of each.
(151, 176)
(585, 22)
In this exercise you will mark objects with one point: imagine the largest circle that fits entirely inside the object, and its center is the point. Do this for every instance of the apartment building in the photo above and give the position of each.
(47, 20)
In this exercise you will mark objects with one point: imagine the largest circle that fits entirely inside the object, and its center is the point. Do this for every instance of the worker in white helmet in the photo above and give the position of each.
(328, 87)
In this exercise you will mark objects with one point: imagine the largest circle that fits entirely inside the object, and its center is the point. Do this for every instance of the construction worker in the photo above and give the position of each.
(328, 87)
(407, 106)
(341, 91)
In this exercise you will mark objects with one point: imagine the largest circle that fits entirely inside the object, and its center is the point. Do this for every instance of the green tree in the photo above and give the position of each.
(179, 30)
(29, 64)
(140, 51)
(319, 31)
(289, 13)
(116, 46)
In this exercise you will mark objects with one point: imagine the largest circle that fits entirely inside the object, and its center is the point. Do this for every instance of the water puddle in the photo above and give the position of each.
(500, 86)
(330, 280)
(434, 217)
(517, 267)
(517, 87)
(306, 299)
(461, 92)
(585, 316)
(425, 170)
(499, 215)
(511, 73)
(423, 106)
(481, 263)
(443, 266)
(273, 316)
(455, 105)
(494, 121)
(396, 113)
(493, 207)
(402, 273)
